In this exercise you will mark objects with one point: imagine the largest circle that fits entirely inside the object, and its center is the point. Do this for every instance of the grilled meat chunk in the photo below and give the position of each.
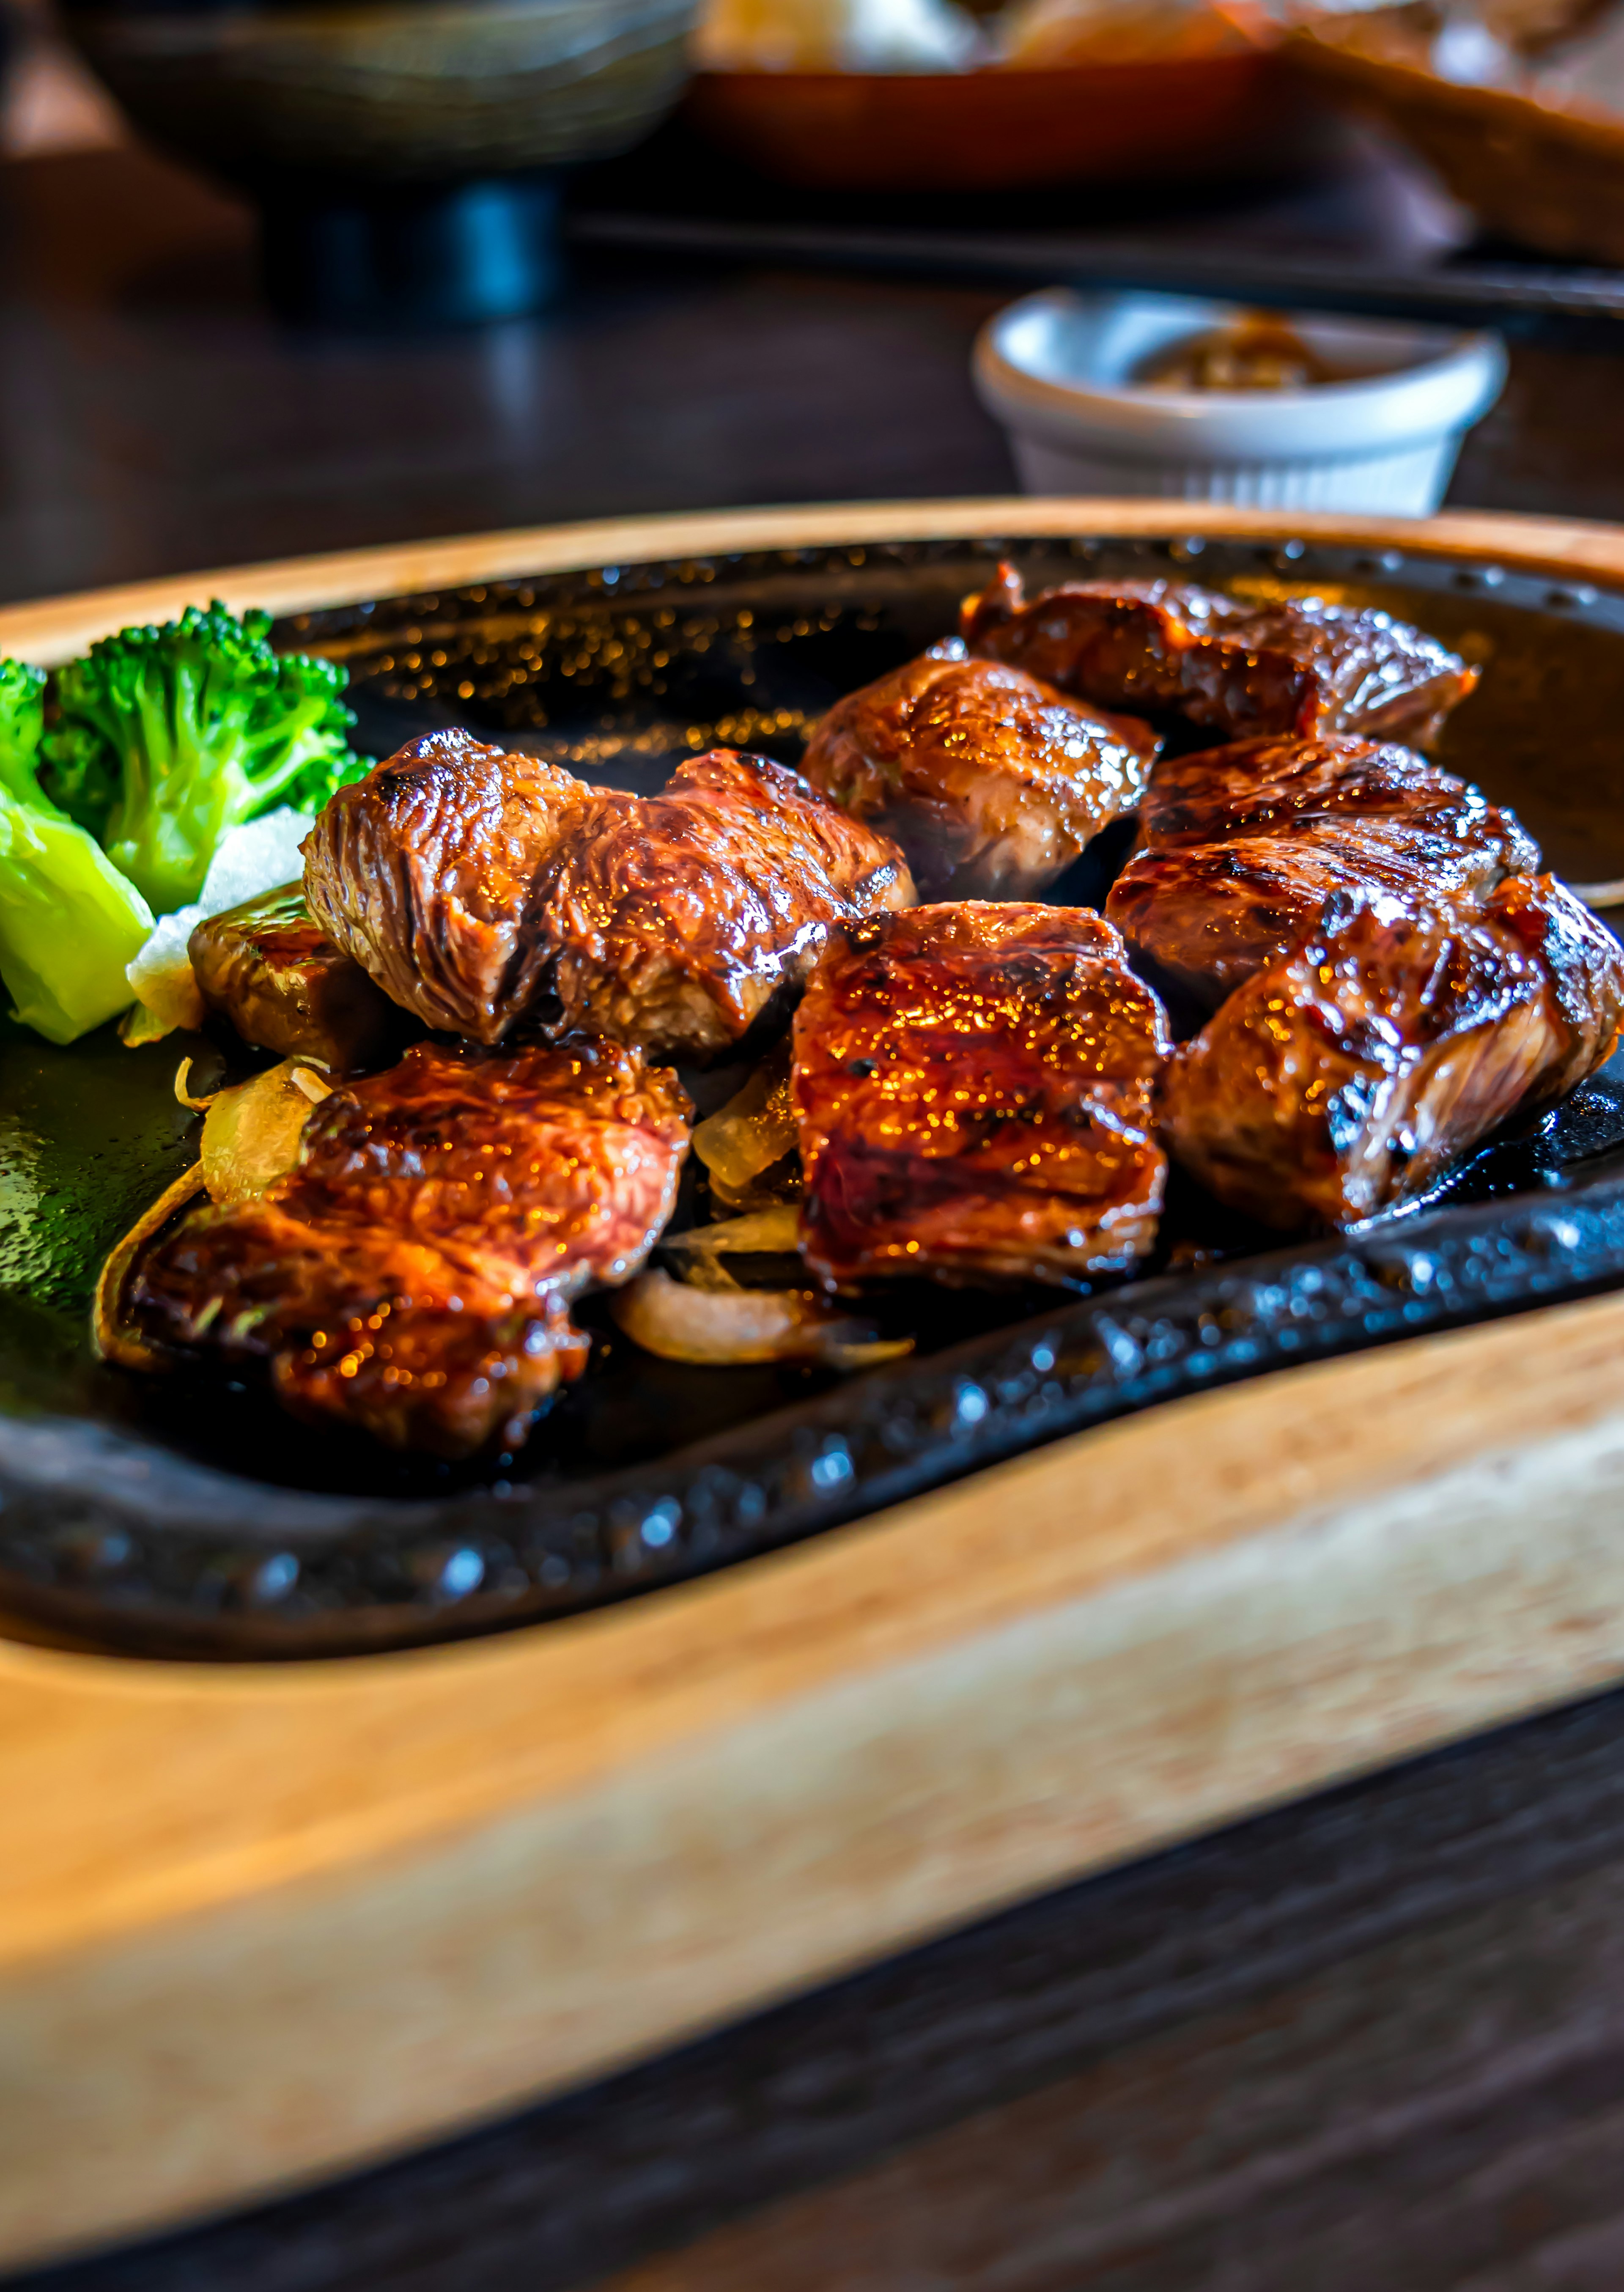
(1243, 845)
(1349, 1073)
(1297, 666)
(476, 886)
(1584, 977)
(991, 781)
(973, 1085)
(412, 1276)
(427, 871)
(676, 919)
(1278, 785)
(269, 969)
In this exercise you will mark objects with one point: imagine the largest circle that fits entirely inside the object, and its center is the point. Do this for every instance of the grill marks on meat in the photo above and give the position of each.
(474, 884)
(983, 1090)
(1348, 1074)
(426, 873)
(973, 1087)
(1243, 845)
(991, 782)
(1274, 785)
(1299, 666)
(412, 1276)
(269, 967)
(676, 919)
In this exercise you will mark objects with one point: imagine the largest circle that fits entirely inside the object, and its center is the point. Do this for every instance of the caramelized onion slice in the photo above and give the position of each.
(111, 1338)
(743, 1141)
(719, 1326)
(251, 1132)
(760, 1234)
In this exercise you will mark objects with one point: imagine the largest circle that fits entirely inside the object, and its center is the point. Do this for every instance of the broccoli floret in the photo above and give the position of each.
(166, 737)
(68, 921)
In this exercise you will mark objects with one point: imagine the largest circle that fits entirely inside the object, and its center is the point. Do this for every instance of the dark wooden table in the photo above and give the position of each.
(1371, 2044)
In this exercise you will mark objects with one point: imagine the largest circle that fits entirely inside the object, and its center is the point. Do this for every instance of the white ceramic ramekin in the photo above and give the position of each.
(1054, 369)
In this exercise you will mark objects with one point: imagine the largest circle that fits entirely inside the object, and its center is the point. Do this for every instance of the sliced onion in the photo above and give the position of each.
(183, 1091)
(251, 1132)
(722, 1327)
(112, 1339)
(744, 1141)
(772, 1232)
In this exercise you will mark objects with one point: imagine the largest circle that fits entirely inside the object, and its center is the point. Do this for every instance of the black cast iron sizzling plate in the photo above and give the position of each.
(190, 1516)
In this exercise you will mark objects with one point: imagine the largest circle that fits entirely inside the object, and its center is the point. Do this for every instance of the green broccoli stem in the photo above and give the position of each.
(166, 737)
(183, 788)
(70, 922)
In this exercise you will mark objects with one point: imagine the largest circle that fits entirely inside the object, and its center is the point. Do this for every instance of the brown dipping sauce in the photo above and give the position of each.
(1256, 352)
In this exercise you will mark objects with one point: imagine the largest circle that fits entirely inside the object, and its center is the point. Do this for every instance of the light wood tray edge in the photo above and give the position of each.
(258, 1923)
(54, 628)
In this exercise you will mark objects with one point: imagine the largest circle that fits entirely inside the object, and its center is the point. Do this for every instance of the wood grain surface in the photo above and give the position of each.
(1446, 1933)
(259, 1923)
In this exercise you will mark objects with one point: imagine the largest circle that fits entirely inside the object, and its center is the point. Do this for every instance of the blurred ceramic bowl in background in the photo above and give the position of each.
(394, 143)
(415, 90)
(1064, 373)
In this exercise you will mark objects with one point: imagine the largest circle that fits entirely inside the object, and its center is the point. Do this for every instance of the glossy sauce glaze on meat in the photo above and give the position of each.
(1242, 846)
(973, 1085)
(426, 872)
(270, 968)
(1298, 665)
(479, 887)
(991, 781)
(1347, 1075)
(412, 1276)
(677, 919)
(980, 1091)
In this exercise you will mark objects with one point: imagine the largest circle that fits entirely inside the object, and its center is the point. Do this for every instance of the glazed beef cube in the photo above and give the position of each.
(269, 969)
(1241, 847)
(481, 887)
(973, 1085)
(991, 782)
(1299, 665)
(1347, 1075)
(412, 1276)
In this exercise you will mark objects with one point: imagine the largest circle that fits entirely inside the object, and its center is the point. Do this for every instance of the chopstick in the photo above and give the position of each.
(1485, 292)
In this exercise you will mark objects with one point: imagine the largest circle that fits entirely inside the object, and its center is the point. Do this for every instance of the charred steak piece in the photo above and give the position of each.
(1584, 975)
(412, 1276)
(475, 887)
(676, 919)
(973, 1085)
(1244, 844)
(1298, 665)
(991, 781)
(426, 872)
(1347, 1075)
(269, 969)
(1279, 784)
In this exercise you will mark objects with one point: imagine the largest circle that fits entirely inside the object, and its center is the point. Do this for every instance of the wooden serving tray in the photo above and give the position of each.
(261, 1923)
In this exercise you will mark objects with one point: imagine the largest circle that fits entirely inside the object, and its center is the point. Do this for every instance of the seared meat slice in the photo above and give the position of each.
(412, 1275)
(426, 872)
(269, 969)
(1584, 974)
(1298, 665)
(1244, 844)
(1347, 1075)
(1278, 785)
(1201, 919)
(973, 1086)
(676, 919)
(991, 782)
(475, 885)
